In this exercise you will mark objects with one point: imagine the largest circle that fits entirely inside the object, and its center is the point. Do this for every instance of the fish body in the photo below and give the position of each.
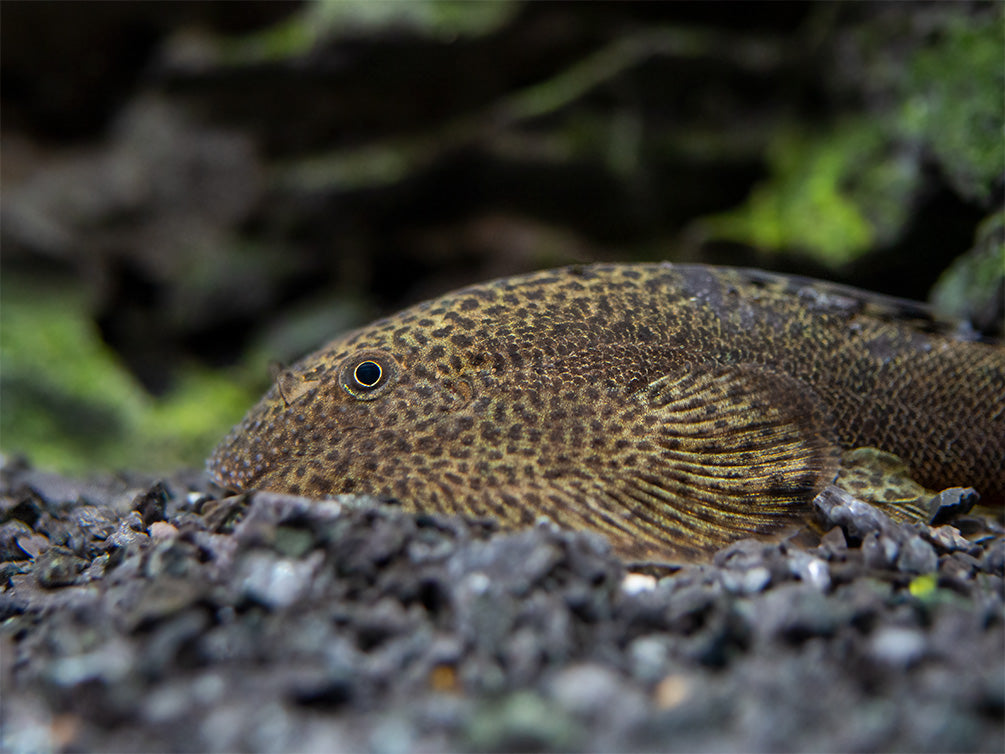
(673, 408)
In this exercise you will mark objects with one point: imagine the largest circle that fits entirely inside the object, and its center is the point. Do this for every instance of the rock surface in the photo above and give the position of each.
(145, 615)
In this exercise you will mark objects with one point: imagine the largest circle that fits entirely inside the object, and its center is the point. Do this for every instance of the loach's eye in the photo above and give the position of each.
(368, 374)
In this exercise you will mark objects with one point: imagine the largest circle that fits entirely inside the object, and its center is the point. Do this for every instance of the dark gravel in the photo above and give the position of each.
(157, 616)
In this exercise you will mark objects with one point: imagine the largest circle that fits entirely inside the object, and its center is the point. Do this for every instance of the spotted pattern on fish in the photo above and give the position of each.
(673, 408)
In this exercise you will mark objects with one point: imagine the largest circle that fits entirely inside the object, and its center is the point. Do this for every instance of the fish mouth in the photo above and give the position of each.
(238, 463)
(244, 461)
(229, 474)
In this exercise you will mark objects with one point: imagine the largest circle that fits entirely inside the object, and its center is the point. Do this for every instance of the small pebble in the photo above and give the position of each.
(151, 504)
(917, 556)
(879, 552)
(278, 582)
(672, 691)
(810, 569)
(648, 656)
(748, 581)
(162, 530)
(634, 583)
(952, 502)
(835, 507)
(897, 646)
(948, 538)
(15, 537)
(586, 689)
(58, 567)
(834, 542)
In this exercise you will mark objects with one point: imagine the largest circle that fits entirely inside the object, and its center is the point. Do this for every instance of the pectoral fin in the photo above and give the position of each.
(883, 479)
(730, 452)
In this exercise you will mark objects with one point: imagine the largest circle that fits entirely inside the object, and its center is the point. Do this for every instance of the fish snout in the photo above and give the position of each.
(234, 469)
(244, 458)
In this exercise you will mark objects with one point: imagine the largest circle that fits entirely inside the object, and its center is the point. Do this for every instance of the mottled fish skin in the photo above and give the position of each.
(673, 408)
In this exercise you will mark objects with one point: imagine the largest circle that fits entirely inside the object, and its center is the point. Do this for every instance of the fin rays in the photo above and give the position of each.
(740, 451)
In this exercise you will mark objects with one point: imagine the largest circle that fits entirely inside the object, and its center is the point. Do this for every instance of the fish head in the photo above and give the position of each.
(392, 409)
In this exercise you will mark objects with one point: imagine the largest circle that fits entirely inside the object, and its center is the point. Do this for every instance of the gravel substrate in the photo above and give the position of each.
(157, 616)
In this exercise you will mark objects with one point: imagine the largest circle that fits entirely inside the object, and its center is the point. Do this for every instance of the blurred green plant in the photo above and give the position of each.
(320, 20)
(69, 404)
(836, 193)
(953, 103)
(973, 288)
(833, 196)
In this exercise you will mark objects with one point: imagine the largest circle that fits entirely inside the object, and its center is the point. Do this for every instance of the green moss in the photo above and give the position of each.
(69, 403)
(831, 196)
(187, 423)
(953, 103)
(64, 397)
(837, 192)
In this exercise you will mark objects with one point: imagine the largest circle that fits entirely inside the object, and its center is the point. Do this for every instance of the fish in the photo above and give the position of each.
(672, 408)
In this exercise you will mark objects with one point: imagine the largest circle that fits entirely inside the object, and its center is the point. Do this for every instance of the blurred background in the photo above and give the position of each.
(192, 191)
